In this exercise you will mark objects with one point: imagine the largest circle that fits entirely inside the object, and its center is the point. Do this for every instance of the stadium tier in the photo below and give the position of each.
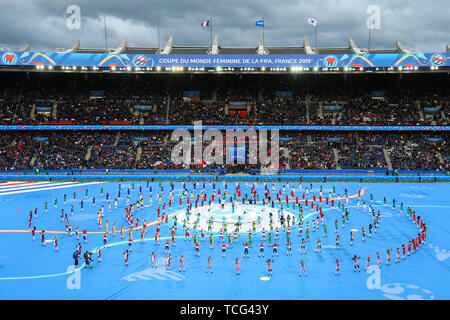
(81, 151)
(327, 106)
(416, 99)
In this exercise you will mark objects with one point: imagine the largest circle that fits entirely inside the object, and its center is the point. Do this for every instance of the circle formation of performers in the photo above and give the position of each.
(226, 215)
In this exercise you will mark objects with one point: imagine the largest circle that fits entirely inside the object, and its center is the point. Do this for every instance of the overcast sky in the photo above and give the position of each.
(423, 25)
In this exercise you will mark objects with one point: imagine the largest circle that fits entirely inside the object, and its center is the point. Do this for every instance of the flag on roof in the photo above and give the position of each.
(205, 24)
(260, 23)
(312, 21)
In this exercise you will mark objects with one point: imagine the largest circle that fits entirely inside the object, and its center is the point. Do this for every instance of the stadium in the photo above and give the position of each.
(345, 197)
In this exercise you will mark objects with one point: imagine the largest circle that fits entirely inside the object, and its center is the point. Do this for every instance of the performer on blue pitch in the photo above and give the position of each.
(246, 245)
(182, 259)
(238, 266)
(224, 250)
(275, 249)
(197, 249)
(269, 266)
(289, 248)
(167, 248)
(261, 250)
(355, 263)
(209, 265)
(302, 267)
(43, 238)
(319, 245)
(338, 267)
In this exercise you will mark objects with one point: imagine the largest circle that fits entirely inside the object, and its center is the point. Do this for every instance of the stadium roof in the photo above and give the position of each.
(179, 58)
(171, 48)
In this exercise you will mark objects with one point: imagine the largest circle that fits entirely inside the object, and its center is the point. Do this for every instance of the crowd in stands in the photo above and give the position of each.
(116, 102)
(415, 152)
(75, 150)
(222, 100)
(361, 151)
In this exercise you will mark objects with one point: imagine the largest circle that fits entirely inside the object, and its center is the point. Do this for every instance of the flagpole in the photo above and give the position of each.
(106, 38)
(315, 35)
(263, 30)
(370, 31)
(159, 43)
(210, 29)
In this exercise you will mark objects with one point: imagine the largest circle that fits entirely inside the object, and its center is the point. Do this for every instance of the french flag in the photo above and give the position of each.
(205, 24)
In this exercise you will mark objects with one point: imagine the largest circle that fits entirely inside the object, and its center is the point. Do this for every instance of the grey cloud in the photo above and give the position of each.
(42, 23)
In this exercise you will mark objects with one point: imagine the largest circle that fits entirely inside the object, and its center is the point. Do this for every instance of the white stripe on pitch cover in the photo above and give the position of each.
(41, 185)
(31, 186)
(49, 188)
(9, 183)
(13, 185)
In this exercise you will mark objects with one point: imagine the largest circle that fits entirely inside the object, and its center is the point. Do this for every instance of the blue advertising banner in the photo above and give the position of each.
(14, 58)
(431, 109)
(332, 108)
(378, 93)
(40, 139)
(142, 107)
(434, 139)
(238, 103)
(97, 93)
(140, 138)
(237, 154)
(43, 108)
(283, 93)
(188, 93)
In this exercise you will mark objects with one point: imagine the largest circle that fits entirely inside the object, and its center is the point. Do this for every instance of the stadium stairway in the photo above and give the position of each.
(307, 107)
(116, 141)
(441, 159)
(33, 111)
(443, 116)
(33, 160)
(88, 153)
(336, 158)
(138, 155)
(419, 108)
(284, 153)
(321, 110)
(55, 110)
(387, 158)
(168, 109)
